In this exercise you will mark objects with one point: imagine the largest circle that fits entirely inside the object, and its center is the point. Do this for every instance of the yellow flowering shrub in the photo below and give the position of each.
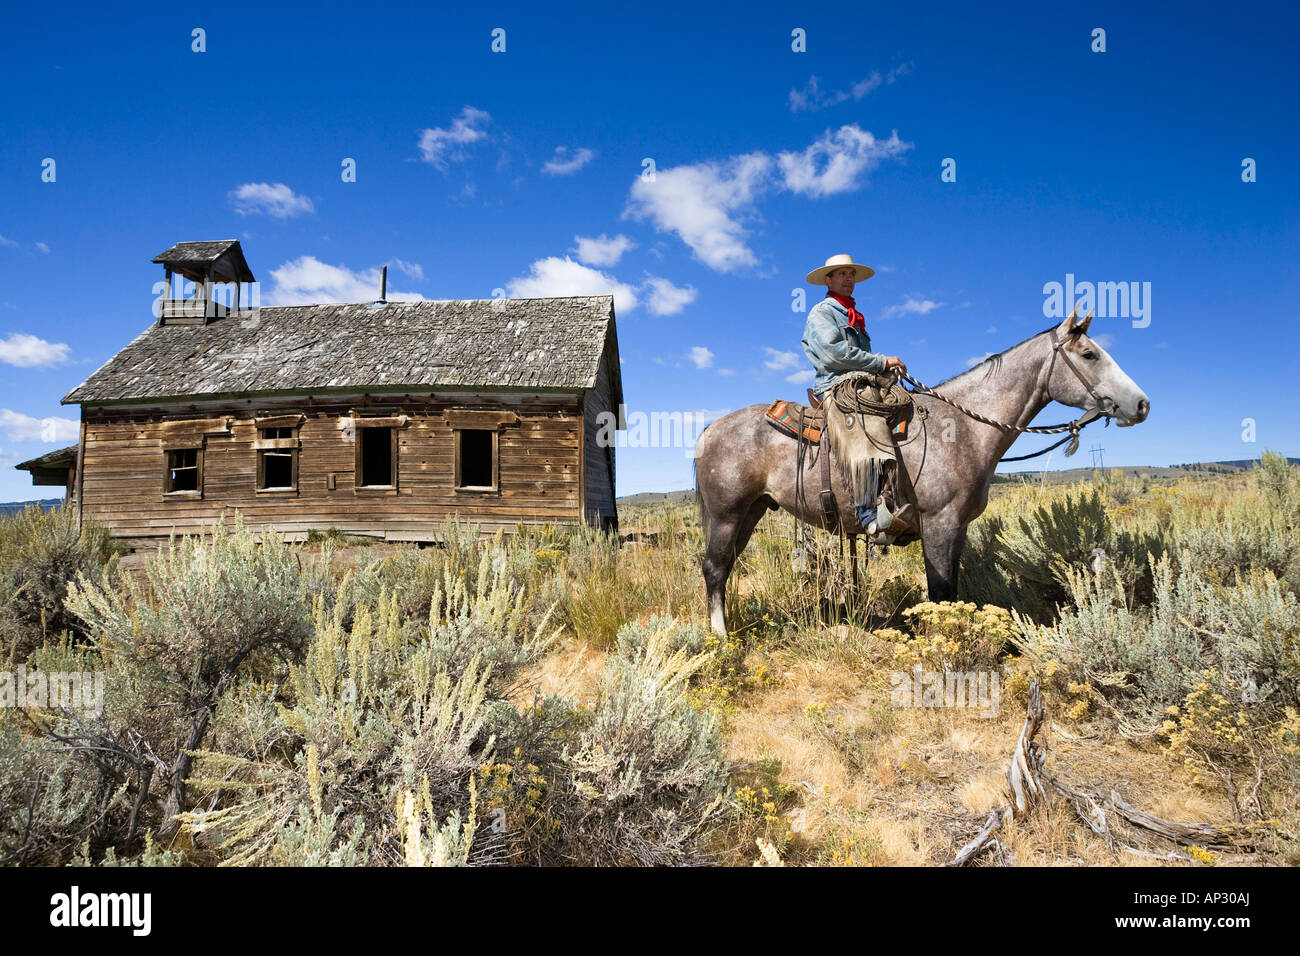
(758, 807)
(849, 848)
(513, 797)
(1212, 733)
(1039, 660)
(951, 635)
(1202, 855)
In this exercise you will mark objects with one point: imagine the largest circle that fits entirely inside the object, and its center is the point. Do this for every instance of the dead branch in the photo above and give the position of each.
(1201, 834)
(1022, 781)
(1026, 775)
(1086, 807)
(983, 840)
(1022, 772)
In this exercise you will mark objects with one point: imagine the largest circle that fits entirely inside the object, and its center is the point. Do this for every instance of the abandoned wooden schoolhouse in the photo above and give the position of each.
(379, 418)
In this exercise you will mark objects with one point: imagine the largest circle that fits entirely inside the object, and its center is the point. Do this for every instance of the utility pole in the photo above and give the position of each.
(1098, 456)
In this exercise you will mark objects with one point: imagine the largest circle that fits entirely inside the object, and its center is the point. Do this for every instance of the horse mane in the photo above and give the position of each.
(993, 364)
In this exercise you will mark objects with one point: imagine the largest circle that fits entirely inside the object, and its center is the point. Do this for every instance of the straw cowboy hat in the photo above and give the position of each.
(860, 273)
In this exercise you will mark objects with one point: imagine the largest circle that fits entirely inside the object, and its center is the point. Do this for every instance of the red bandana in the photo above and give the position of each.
(855, 317)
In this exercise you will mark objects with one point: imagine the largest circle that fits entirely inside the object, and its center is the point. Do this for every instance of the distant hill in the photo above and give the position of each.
(1067, 476)
(13, 507)
(1070, 475)
(654, 497)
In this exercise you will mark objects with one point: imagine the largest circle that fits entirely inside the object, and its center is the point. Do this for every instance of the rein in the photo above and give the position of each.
(1071, 428)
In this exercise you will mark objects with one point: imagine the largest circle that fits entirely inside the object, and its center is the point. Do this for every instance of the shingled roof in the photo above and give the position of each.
(52, 467)
(191, 258)
(483, 343)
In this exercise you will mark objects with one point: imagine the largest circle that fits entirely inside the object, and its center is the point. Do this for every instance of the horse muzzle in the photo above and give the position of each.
(1139, 414)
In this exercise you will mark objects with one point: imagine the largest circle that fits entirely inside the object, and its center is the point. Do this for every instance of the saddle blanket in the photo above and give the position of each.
(785, 417)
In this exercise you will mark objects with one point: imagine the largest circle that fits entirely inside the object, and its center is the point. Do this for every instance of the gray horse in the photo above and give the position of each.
(745, 467)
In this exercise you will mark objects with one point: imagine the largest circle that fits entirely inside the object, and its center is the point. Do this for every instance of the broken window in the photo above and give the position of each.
(277, 465)
(182, 470)
(476, 452)
(376, 457)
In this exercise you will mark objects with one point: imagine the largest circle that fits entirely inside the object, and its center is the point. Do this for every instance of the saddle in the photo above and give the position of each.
(808, 422)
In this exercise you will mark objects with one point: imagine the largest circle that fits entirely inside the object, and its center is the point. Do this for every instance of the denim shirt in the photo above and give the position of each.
(835, 347)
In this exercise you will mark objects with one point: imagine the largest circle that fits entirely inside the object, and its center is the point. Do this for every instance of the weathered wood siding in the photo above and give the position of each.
(124, 465)
(597, 462)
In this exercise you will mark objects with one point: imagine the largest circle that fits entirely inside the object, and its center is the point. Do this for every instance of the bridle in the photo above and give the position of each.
(1058, 348)
(1071, 428)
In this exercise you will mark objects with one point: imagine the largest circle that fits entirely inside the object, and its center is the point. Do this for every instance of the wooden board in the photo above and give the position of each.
(539, 463)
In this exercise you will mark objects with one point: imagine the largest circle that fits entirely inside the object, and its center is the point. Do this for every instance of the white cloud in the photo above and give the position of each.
(27, 351)
(911, 306)
(43, 248)
(778, 361)
(6, 241)
(565, 162)
(273, 199)
(701, 356)
(991, 329)
(813, 97)
(726, 372)
(702, 203)
(554, 276)
(867, 85)
(442, 146)
(875, 80)
(707, 204)
(602, 250)
(665, 298)
(20, 427)
(801, 378)
(412, 269)
(1105, 339)
(308, 281)
(835, 162)
(976, 359)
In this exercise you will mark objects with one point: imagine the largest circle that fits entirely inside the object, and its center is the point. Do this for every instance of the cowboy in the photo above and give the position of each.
(835, 338)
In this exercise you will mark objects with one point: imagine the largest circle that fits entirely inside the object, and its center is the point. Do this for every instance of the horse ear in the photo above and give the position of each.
(1082, 327)
(1069, 322)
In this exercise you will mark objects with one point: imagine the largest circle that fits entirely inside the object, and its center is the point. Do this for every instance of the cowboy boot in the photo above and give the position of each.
(896, 522)
(891, 525)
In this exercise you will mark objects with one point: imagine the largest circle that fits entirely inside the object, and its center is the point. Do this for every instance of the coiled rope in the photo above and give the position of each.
(853, 395)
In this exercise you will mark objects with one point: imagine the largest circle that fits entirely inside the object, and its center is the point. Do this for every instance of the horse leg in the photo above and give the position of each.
(942, 547)
(727, 538)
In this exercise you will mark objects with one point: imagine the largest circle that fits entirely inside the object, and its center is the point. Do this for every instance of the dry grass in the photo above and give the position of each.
(837, 773)
(873, 784)
(570, 670)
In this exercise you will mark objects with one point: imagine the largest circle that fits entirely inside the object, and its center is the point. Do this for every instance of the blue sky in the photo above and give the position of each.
(479, 171)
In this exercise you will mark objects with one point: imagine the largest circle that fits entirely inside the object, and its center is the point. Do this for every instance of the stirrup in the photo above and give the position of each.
(890, 525)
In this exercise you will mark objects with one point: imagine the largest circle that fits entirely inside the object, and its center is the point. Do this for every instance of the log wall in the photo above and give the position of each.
(597, 461)
(124, 466)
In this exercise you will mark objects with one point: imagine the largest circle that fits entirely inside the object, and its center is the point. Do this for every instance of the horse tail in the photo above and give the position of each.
(699, 502)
